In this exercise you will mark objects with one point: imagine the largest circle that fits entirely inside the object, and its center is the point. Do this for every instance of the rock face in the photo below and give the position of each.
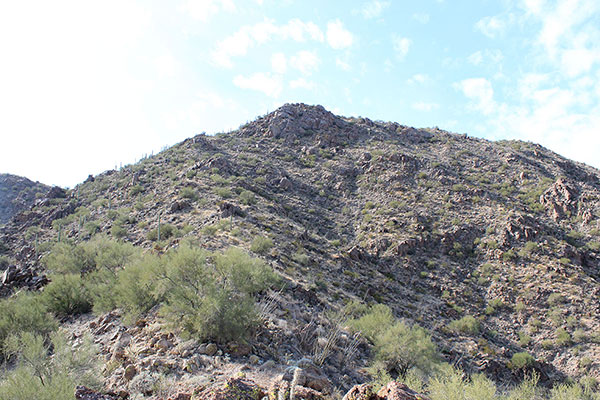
(392, 391)
(17, 194)
(560, 199)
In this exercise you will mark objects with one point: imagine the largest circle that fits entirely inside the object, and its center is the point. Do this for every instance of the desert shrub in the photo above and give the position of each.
(527, 389)
(135, 286)
(398, 347)
(66, 294)
(509, 255)
(378, 318)
(568, 392)
(135, 190)
(562, 337)
(247, 197)
(223, 192)
(24, 313)
(521, 360)
(555, 298)
(402, 347)
(524, 339)
(98, 253)
(451, 384)
(261, 244)
(212, 300)
(467, 325)
(5, 261)
(188, 193)
(118, 231)
(48, 371)
(166, 232)
(528, 249)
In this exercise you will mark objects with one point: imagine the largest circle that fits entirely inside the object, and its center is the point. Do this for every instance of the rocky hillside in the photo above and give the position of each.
(17, 194)
(492, 247)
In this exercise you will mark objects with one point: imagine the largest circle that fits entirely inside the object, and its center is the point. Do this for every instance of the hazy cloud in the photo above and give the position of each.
(401, 46)
(268, 84)
(249, 36)
(278, 63)
(480, 92)
(338, 37)
(305, 61)
(374, 9)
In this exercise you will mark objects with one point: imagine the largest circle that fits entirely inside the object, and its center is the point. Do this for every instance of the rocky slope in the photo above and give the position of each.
(17, 194)
(436, 225)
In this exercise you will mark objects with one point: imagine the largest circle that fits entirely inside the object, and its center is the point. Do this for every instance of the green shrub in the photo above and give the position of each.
(135, 286)
(402, 347)
(213, 301)
(188, 193)
(24, 313)
(398, 347)
(467, 325)
(562, 337)
(261, 245)
(451, 384)
(166, 231)
(247, 197)
(66, 294)
(223, 192)
(135, 190)
(5, 261)
(555, 298)
(524, 339)
(48, 371)
(521, 360)
(118, 231)
(528, 249)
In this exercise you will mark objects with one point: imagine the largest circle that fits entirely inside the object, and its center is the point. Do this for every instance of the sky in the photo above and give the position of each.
(89, 85)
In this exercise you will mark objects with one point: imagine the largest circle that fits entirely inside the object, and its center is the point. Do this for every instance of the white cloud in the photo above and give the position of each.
(486, 56)
(480, 92)
(203, 10)
(268, 84)
(278, 63)
(422, 18)
(374, 8)
(249, 36)
(300, 31)
(476, 58)
(491, 26)
(419, 78)
(338, 37)
(401, 46)
(302, 83)
(426, 107)
(305, 61)
(341, 64)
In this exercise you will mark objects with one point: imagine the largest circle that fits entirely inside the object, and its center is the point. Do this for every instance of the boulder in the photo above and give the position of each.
(84, 393)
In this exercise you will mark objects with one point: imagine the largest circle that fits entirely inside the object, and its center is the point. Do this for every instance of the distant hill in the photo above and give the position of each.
(493, 247)
(17, 194)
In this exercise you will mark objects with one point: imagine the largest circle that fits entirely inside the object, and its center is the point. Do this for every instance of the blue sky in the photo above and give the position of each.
(85, 86)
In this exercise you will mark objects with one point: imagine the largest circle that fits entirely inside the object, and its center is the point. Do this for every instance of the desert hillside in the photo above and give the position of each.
(314, 236)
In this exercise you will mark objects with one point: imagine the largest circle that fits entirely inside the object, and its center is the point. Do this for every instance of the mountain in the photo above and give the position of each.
(17, 194)
(492, 247)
